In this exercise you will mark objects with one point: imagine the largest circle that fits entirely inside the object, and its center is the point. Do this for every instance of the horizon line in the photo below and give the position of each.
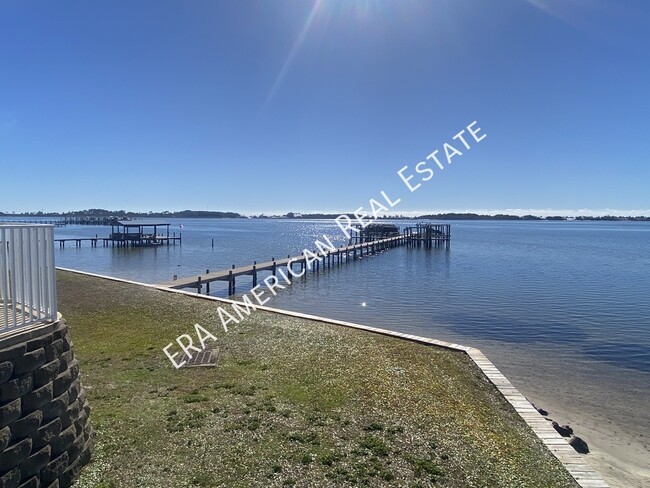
(519, 212)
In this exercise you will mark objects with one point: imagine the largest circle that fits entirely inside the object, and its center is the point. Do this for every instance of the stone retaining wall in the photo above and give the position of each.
(45, 436)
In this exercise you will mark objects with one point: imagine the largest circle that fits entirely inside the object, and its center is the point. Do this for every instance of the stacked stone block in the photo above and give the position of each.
(45, 436)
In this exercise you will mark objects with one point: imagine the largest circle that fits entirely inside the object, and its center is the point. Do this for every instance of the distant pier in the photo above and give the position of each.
(428, 235)
(55, 222)
(422, 235)
(108, 242)
(129, 233)
(63, 221)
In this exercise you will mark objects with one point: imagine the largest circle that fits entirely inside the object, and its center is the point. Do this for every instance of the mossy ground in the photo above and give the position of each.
(291, 403)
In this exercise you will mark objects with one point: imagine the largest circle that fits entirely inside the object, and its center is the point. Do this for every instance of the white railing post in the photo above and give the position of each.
(4, 283)
(27, 276)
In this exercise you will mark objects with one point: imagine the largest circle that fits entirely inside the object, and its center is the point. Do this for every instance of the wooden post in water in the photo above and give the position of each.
(207, 284)
(232, 280)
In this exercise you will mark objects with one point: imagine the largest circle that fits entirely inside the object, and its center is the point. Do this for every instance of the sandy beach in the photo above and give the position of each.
(614, 421)
(621, 457)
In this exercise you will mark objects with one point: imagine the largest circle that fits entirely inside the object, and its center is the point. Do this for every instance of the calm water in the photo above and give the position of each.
(562, 307)
(582, 283)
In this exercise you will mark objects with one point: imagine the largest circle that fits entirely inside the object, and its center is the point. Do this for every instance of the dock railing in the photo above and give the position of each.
(27, 276)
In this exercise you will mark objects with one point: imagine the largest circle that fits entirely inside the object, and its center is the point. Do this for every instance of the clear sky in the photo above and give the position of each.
(275, 106)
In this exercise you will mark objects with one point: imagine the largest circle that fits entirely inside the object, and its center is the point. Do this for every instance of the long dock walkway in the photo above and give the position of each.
(426, 235)
(328, 258)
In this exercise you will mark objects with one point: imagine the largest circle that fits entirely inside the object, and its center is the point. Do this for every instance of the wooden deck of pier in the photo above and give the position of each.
(125, 233)
(435, 235)
(329, 258)
(107, 241)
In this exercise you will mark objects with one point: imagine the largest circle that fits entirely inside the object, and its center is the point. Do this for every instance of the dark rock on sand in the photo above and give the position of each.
(563, 430)
(579, 445)
(541, 410)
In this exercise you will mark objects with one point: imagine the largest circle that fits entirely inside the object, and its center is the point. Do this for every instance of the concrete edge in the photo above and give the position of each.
(27, 333)
(582, 473)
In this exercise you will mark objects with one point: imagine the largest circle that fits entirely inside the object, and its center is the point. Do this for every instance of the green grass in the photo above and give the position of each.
(291, 403)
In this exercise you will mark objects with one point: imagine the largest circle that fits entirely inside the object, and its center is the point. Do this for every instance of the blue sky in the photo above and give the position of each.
(275, 106)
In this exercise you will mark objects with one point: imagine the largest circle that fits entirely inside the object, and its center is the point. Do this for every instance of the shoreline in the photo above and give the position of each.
(621, 461)
(553, 442)
(610, 419)
(302, 384)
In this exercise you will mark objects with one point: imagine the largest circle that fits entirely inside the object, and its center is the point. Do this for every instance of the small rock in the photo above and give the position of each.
(579, 445)
(541, 411)
(563, 430)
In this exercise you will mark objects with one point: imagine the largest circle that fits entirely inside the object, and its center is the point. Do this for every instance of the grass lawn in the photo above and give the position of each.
(291, 403)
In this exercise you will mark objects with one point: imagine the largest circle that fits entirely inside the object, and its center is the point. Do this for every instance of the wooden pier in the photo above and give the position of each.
(107, 241)
(129, 233)
(428, 235)
(63, 221)
(374, 232)
(417, 236)
(55, 223)
(90, 220)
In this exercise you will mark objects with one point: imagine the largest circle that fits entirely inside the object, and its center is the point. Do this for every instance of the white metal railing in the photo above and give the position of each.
(27, 276)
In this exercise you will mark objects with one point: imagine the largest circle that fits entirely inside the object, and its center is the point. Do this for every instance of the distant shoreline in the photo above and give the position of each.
(194, 214)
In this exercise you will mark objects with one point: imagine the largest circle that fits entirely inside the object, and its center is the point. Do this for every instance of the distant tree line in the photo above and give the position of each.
(185, 214)
(121, 214)
(456, 216)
